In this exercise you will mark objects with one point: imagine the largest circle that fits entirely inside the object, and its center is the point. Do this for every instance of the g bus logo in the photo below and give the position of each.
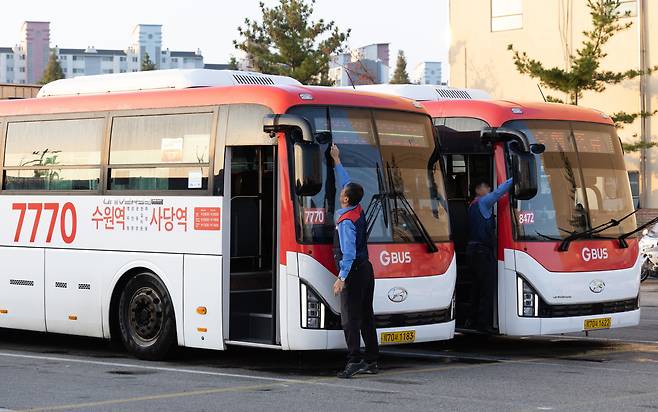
(387, 258)
(594, 254)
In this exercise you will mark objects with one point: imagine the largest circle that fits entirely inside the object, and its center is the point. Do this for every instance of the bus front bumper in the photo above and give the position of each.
(550, 326)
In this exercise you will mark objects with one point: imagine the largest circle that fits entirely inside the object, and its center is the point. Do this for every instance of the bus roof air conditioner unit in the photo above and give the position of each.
(426, 92)
(159, 80)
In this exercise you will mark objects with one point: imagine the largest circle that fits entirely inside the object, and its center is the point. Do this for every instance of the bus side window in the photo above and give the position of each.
(160, 152)
(53, 155)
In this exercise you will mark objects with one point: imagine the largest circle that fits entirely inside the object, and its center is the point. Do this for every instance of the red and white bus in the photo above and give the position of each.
(567, 258)
(195, 208)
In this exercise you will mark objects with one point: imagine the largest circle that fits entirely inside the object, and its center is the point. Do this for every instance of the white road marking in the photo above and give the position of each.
(187, 371)
(148, 367)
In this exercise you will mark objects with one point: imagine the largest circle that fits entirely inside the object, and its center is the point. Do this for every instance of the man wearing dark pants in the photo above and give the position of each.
(481, 253)
(356, 280)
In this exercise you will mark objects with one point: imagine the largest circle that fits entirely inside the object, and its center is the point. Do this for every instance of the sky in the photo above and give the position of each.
(419, 27)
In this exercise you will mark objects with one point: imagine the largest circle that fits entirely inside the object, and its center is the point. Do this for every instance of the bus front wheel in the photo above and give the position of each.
(146, 318)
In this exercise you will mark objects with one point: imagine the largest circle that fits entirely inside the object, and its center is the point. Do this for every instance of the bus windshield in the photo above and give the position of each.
(385, 152)
(582, 181)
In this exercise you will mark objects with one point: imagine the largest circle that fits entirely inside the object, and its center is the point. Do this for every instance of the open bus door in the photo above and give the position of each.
(253, 262)
(468, 161)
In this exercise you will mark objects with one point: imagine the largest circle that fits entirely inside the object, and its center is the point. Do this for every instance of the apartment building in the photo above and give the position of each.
(551, 31)
(25, 62)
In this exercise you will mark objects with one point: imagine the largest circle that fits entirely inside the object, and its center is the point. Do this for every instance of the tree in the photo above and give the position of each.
(584, 72)
(233, 63)
(53, 70)
(287, 42)
(400, 75)
(147, 64)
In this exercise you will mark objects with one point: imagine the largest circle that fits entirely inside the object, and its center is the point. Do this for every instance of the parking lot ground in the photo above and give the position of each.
(605, 371)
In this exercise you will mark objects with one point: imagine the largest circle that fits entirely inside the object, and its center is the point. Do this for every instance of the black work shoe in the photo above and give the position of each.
(371, 368)
(352, 369)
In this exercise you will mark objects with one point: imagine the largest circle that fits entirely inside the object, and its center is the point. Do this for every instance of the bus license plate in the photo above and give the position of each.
(602, 323)
(404, 336)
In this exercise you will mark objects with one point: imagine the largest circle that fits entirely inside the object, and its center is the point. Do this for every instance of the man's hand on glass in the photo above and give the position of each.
(335, 154)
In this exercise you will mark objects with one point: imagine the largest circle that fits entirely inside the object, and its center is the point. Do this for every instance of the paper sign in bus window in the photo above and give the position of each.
(194, 180)
(172, 149)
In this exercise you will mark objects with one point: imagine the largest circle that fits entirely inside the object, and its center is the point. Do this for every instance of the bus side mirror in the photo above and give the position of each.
(308, 168)
(524, 173)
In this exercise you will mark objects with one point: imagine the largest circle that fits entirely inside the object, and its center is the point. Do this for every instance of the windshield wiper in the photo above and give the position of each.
(622, 239)
(543, 236)
(564, 246)
(377, 203)
(431, 247)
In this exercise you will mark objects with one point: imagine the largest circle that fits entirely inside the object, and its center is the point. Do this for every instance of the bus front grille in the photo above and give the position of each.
(587, 309)
(398, 320)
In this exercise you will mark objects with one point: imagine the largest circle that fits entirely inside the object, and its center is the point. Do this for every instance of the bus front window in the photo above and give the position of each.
(385, 152)
(582, 181)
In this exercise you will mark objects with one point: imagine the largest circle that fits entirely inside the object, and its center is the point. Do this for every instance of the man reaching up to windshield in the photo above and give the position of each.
(356, 280)
(481, 253)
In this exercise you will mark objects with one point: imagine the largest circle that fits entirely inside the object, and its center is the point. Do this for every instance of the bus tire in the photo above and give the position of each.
(146, 318)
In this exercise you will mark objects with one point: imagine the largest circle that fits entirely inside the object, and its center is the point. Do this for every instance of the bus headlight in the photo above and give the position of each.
(313, 310)
(527, 299)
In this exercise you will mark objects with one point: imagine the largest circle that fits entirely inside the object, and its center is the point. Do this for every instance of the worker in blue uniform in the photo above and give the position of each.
(481, 253)
(356, 281)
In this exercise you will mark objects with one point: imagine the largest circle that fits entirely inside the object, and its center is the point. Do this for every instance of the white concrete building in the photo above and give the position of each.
(365, 65)
(25, 62)
(427, 73)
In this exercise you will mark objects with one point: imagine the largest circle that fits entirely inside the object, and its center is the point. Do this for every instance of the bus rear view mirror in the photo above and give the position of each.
(523, 166)
(308, 168)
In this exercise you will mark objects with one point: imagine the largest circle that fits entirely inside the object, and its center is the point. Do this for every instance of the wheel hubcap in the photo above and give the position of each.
(145, 315)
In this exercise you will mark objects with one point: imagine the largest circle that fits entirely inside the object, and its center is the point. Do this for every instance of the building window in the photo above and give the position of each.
(134, 59)
(74, 58)
(108, 71)
(21, 69)
(108, 58)
(10, 56)
(634, 178)
(628, 8)
(78, 70)
(506, 15)
(174, 59)
(122, 59)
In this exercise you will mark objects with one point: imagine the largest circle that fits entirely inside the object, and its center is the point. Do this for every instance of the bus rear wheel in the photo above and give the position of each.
(146, 318)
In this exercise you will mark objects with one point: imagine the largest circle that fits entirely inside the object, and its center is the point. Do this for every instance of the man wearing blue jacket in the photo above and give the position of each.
(481, 253)
(356, 280)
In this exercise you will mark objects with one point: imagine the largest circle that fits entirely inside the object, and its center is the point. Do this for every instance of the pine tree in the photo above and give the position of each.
(147, 64)
(233, 63)
(584, 72)
(53, 70)
(400, 76)
(287, 42)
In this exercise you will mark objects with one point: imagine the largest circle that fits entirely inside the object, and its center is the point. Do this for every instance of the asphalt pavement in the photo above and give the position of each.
(606, 371)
